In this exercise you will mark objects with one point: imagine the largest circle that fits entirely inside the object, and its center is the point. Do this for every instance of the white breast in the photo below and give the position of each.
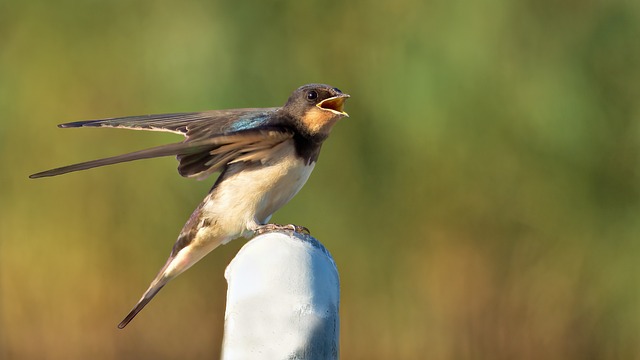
(250, 194)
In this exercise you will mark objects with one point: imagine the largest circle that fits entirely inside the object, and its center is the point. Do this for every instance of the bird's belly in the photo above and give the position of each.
(249, 195)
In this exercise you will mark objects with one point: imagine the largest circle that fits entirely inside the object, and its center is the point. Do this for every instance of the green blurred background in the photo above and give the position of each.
(481, 202)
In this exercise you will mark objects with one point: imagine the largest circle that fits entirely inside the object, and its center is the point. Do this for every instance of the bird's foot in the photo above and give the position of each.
(277, 227)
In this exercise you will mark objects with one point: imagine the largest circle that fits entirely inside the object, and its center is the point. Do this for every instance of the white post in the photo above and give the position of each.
(282, 300)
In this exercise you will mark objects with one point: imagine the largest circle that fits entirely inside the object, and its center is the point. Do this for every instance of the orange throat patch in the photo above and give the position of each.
(319, 121)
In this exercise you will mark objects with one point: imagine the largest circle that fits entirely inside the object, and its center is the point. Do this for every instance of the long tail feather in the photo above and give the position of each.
(155, 287)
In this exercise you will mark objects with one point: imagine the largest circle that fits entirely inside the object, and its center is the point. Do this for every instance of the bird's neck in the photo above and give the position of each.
(308, 147)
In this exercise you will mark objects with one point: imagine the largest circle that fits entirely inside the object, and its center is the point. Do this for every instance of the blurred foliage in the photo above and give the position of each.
(482, 201)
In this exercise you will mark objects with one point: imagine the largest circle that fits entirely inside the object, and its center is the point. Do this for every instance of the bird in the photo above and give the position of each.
(263, 156)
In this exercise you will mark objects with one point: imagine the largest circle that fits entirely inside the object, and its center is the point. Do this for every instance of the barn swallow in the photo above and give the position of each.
(264, 157)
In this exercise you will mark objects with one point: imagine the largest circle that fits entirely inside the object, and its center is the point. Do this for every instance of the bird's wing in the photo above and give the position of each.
(255, 145)
(199, 157)
(195, 123)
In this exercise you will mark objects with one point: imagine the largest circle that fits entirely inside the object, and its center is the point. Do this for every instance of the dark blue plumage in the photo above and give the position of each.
(250, 121)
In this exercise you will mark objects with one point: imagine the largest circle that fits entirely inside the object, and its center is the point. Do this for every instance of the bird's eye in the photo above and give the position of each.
(312, 95)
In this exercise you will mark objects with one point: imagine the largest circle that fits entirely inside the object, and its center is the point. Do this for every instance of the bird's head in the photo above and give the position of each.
(316, 108)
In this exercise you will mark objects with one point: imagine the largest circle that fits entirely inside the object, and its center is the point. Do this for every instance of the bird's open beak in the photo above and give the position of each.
(334, 104)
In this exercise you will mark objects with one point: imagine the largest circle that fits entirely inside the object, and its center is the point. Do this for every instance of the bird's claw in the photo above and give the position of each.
(277, 227)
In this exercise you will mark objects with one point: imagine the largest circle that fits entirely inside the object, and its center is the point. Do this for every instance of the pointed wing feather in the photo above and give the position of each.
(163, 150)
(198, 158)
(195, 124)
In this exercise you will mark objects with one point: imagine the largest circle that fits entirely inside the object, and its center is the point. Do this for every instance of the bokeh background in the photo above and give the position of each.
(481, 202)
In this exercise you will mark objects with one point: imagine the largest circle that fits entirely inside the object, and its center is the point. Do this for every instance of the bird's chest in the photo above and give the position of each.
(278, 183)
(252, 193)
